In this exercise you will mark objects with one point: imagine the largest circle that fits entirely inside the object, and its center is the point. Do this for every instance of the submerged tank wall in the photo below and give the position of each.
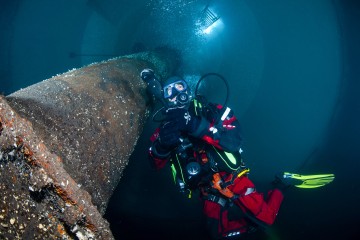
(64, 144)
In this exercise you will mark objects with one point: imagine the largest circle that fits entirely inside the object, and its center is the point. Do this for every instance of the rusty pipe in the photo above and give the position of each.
(73, 135)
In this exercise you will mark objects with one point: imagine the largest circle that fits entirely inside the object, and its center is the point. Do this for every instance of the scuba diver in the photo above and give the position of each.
(202, 143)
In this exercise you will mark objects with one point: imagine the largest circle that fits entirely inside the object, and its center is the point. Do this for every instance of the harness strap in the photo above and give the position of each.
(216, 199)
(217, 183)
(222, 187)
(236, 174)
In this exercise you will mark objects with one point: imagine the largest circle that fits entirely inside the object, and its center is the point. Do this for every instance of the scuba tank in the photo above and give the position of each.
(186, 170)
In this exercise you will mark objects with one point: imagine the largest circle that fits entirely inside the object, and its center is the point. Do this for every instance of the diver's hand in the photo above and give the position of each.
(185, 121)
(169, 135)
(147, 74)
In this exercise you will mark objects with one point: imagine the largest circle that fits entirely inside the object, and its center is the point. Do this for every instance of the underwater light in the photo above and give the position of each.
(209, 20)
(209, 29)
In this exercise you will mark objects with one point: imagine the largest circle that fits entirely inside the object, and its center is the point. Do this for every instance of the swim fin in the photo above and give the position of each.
(308, 181)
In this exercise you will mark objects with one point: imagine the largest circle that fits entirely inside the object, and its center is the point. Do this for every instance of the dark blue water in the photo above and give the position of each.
(293, 71)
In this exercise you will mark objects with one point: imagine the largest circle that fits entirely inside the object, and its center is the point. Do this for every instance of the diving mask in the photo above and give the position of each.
(173, 89)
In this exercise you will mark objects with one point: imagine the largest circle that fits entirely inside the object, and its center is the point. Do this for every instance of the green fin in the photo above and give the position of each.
(309, 181)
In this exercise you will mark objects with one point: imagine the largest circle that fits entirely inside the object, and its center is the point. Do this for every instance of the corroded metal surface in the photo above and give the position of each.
(64, 144)
(39, 199)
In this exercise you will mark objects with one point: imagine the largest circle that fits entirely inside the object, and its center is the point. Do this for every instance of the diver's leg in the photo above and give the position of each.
(253, 202)
(219, 225)
(212, 213)
(266, 211)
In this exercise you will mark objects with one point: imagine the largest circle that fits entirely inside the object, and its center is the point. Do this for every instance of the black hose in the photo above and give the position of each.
(196, 94)
(222, 78)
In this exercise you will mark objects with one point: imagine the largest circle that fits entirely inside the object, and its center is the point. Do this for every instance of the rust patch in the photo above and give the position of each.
(64, 195)
(61, 229)
(90, 226)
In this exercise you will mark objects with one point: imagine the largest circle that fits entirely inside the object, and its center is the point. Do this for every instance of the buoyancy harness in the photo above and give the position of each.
(194, 154)
(186, 169)
(222, 185)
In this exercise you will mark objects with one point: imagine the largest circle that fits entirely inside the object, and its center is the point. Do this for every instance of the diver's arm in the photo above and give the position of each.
(157, 153)
(159, 156)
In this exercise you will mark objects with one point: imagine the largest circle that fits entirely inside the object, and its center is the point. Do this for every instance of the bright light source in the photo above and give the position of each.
(208, 21)
(209, 29)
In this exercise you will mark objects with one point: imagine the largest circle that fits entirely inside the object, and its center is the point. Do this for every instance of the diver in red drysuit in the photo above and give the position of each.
(201, 142)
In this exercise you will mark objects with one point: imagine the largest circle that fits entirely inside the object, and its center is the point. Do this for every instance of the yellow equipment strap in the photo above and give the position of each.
(243, 172)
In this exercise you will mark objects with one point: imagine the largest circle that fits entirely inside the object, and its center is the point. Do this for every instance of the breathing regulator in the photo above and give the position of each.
(168, 90)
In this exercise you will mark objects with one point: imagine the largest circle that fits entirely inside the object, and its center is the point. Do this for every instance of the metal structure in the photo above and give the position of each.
(64, 144)
(209, 18)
